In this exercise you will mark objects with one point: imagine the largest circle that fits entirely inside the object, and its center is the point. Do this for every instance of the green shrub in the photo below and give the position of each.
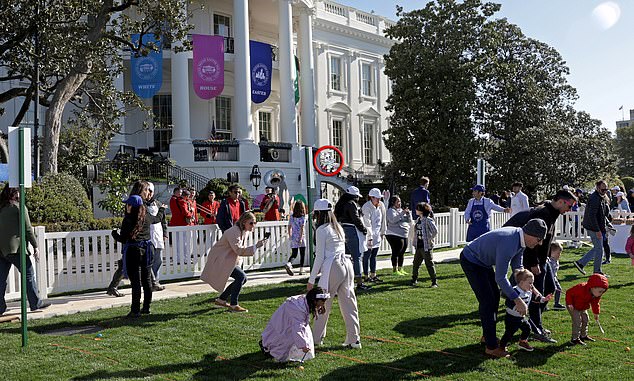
(628, 182)
(59, 198)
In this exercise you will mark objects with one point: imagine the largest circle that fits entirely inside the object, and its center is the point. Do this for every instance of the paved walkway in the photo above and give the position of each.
(92, 301)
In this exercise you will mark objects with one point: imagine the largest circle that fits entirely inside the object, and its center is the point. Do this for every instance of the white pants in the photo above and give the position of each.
(340, 283)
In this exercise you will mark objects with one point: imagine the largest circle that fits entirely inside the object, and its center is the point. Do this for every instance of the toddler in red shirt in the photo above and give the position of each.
(581, 297)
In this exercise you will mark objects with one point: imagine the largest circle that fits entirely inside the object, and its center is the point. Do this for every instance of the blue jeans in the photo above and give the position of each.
(596, 253)
(482, 282)
(157, 261)
(352, 248)
(369, 258)
(31, 286)
(233, 290)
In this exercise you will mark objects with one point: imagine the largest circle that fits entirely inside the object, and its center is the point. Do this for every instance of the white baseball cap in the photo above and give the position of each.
(375, 192)
(322, 204)
(620, 194)
(353, 191)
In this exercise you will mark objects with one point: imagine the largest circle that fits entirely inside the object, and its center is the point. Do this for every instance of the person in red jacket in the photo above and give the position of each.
(581, 297)
(209, 209)
(271, 205)
(181, 216)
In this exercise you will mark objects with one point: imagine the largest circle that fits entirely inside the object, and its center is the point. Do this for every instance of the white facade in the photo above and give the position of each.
(342, 85)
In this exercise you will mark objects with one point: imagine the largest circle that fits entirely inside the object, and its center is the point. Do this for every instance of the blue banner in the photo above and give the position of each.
(147, 70)
(261, 71)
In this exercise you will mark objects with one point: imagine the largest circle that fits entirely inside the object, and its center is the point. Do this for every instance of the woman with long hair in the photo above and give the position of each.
(398, 224)
(349, 215)
(10, 237)
(138, 251)
(337, 274)
(296, 231)
(224, 262)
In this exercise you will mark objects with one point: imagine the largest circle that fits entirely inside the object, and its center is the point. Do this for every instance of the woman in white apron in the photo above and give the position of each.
(337, 275)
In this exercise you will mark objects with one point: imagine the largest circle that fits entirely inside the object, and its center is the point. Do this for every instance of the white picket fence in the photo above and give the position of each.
(76, 261)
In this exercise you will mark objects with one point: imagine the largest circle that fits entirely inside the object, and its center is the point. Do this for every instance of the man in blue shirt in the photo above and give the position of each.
(502, 248)
(420, 194)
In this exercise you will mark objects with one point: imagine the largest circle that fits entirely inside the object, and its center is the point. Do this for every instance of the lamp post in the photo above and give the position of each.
(255, 176)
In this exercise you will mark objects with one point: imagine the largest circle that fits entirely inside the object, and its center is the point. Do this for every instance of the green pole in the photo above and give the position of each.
(311, 249)
(25, 337)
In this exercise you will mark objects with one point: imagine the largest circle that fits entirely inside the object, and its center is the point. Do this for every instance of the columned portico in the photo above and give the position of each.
(181, 147)
(307, 84)
(118, 139)
(244, 122)
(288, 119)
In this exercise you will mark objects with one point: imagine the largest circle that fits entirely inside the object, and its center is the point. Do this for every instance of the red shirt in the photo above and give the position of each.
(213, 208)
(234, 208)
(273, 214)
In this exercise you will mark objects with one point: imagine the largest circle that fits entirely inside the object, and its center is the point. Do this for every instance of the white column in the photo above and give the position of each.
(181, 148)
(180, 97)
(243, 126)
(288, 119)
(307, 78)
(119, 139)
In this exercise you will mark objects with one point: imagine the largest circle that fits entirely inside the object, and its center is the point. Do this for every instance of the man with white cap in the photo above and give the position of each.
(374, 218)
(337, 274)
(349, 216)
(486, 261)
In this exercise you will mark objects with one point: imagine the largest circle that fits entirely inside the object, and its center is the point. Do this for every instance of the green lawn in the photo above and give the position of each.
(407, 333)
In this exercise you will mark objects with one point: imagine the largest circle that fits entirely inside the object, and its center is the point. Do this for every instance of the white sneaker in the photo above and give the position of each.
(289, 269)
(356, 345)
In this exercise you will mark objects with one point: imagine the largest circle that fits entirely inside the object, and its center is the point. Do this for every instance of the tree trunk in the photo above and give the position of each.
(63, 93)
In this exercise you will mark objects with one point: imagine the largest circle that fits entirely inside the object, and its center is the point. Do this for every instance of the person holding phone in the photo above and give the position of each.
(224, 262)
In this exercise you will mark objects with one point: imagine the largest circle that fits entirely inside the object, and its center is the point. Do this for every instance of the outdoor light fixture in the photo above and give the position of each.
(255, 176)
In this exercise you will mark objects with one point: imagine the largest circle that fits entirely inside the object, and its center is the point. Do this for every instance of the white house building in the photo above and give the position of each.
(343, 92)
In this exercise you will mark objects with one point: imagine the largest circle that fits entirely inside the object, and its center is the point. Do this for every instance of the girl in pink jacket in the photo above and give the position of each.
(287, 336)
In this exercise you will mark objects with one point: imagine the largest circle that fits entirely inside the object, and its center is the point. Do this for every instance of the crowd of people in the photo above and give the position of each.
(347, 236)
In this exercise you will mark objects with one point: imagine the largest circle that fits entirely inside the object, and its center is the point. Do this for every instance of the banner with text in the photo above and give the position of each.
(209, 65)
(261, 70)
(147, 66)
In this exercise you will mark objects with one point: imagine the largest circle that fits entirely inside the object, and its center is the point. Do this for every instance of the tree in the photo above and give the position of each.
(481, 88)
(623, 146)
(432, 69)
(80, 53)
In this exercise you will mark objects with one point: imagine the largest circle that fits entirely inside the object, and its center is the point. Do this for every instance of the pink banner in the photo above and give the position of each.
(209, 65)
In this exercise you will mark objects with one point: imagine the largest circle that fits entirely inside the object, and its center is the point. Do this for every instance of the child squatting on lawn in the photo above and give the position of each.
(581, 297)
(513, 319)
(287, 336)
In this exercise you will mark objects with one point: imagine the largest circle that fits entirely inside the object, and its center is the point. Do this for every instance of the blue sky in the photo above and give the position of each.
(594, 38)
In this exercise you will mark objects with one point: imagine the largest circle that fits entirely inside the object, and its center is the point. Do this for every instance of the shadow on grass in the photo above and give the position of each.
(117, 321)
(210, 367)
(428, 363)
(428, 325)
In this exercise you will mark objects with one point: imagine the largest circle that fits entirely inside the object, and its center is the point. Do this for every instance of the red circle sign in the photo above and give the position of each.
(326, 161)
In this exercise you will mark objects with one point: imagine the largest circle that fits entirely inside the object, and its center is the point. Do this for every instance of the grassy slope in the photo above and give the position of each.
(406, 333)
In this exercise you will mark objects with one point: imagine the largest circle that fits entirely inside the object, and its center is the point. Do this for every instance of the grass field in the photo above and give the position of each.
(407, 333)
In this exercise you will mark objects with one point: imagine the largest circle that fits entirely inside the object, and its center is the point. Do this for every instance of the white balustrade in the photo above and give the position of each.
(76, 261)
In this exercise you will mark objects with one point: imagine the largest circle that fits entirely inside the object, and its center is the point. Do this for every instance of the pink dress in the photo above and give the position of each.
(289, 331)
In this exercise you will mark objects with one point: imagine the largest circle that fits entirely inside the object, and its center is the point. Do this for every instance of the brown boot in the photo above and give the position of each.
(498, 352)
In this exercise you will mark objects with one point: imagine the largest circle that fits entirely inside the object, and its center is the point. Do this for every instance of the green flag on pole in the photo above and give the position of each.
(296, 81)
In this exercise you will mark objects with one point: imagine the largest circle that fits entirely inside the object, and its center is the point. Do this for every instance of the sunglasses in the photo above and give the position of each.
(252, 223)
